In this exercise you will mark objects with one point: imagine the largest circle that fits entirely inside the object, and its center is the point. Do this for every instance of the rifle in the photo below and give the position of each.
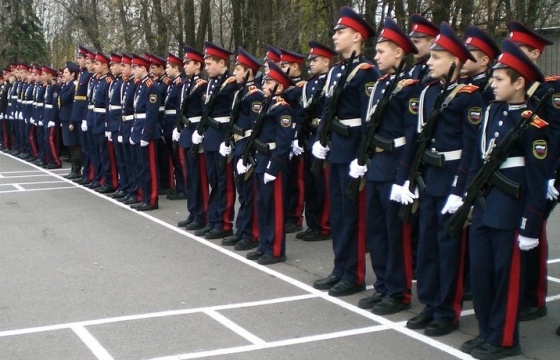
(203, 124)
(247, 157)
(330, 114)
(308, 115)
(182, 119)
(236, 108)
(425, 138)
(363, 155)
(489, 174)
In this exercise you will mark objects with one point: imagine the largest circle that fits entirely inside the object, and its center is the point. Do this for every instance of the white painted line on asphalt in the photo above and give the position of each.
(553, 279)
(18, 187)
(553, 261)
(274, 344)
(553, 298)
(24, 176)
(42, 189)
(247, 335)
(96, 348)
(1, 176)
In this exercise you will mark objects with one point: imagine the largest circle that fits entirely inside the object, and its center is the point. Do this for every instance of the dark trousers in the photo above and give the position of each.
(534, 277)
(317, 207)
(148, 173)
(165, 164)
(196, 186)
(222, 195)
(295, 191)
(246, 220)
(93, 143)
(270, 204)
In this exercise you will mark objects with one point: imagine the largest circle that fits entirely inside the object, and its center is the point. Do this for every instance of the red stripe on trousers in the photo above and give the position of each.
(326, 213)
(91, 174)
(543, 257)
(181, 155)
(113, 164)
(278, 216)
(255, 220)
(361, 255)
(171, 171)
(512, 307)
(301, 197)
(407, 261)
(34, 149)
(230, 195)
(203, 184)
(458, 299)
(6, 134)
(52, 146)
(153, 196)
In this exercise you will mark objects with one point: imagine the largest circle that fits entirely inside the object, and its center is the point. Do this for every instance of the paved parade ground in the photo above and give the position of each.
(85, 277)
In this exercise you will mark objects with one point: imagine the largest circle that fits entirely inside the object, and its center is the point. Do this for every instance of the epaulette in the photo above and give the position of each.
(301, 83)
(468, 89)
(280, 100)
(178, 80)
(365, 66)
(231, 79)
(539, 123)
(253, 89)
(137, 81)
(108, 79)
(407, 82)
(552, 78)
(149, 83)
(166, 80)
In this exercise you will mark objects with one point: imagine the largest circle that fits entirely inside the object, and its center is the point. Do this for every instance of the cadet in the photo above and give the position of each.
(388, 244)
(506, 224)
(222, 196)
(446, 166)
(38, 109)
(196, 181)
(70, 134)
(250, 100)
(272, 54)
(4, 93)
(87, 127)
(50, 118)
(145, 133)
(422, 35)
(317, 209)
(114, 114)
(348, 221)
(32, 152)
(485, 51)
(273, 144)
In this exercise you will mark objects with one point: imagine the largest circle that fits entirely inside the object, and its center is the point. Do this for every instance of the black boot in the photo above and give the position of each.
(76, 170)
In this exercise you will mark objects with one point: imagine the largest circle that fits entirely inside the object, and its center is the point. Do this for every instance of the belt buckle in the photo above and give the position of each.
(315, 122)
(378, 149)
(237, 137)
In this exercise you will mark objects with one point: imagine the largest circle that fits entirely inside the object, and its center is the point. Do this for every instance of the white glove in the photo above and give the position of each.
(176, 135)
(197, 138)
(143, 143)
(296, 149)
(84, 125)
(224, 150)
(268, 178)
(319, 151)
(130, 141)
(408, 197)
(50, 124)
(32, 121)
(109, 135)
(452, 204)
(396, 191)
(241, 168)
(119, 139)
(40, 123)
(552, 193)
(526, 243)
(357, 171)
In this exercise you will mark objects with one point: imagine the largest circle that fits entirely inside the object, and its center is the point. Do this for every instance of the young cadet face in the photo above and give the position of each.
(504, 88)
(439, 63)
(213, 67)
(171, 71)
(67, 76)
(345, 39)
(533, 54)
(269, 85)
(239, 72)
(139, 72)
(423, 45)
(318, 65)
(472, 68)
(156, 70)
(126, 70)
(191, 67)
(81, 61)
(387, 56)
(116, 69)
(89, 65)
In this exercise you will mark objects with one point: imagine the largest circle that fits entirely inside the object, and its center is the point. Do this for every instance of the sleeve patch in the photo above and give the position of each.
(256, 106)
(153, 98)
(413, 105)
(552, 78)
(556, 100)
(475, 115)
(540, 149)
(286, 121)
(369, 88)
(407, 82)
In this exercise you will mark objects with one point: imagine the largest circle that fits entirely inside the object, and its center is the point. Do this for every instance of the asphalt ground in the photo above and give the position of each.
(85, 277)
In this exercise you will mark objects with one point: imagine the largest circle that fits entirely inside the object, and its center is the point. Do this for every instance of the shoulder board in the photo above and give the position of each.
(149, 83)
(552, 78)
(137, 81)
(365, 66)
(231, 79)
(468, 89)
(109, 79)
(301, 83)
(166, 80)
(178, 80)
(253, 89)
(539, 123)
(407, 82)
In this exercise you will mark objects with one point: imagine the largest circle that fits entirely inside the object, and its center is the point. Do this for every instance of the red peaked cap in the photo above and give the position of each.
(392, 32)
(520, 33)
(275, 73)
(102, 58)
(513, 57)
(173, 59)
(287, 56)
(247, 59)
(116, 58)
(140, 61)
(318, 49)
(422, 27)
(347, 17)
(476, 39)
(193, 54)
(447, 40)
(126, 59)
(272, 53)
(215, 50)
(50, 70)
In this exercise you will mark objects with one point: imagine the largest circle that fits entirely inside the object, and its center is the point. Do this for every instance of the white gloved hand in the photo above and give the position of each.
(526, 243)
(396, 191)
(319, 151)
(552, 193)
(197, 138)
(84, 125)
(143, 143)
(32, 121)
(268, 178)
(241, 168)
(40, 123)
(176, 135)
(356, 170)
(407, 197)
(50, 124)
(119, 139)
(130, 141)
(452, 204)
(224, 150)
(109, 135)
(296, 149)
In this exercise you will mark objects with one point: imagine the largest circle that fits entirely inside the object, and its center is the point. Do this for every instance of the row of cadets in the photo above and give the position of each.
(292, 64)
(317, 209)
(388, 238)
(145, 134)
(506, 224)
(95, 176)
(176, 163)
(37, 115)
(50, 118)
(273, 145)
(12, 110)
(222, 196)
(192, 102)
(130, 193)
(440, 257)
(348, 221)
(105, 152)
(250, 99)
(20, 123)
(535, 282)
(5, 85)
(112, 125)
(69, 123)
(31, 149)
(423, 34)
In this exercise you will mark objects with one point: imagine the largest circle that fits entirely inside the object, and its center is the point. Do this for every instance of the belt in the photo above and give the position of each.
(28, 102)
(114, 107)
(195, 119)
(439, 159)
(140, 116)
(237, 137)
(383, 144)
(512, 162)
(80, 97)
(48, 106)
(315, 123)
(127, 117)
(90, 107)
(14, 97)
(264, 147)
(351, 122)
(39, 104)
(451, 155)
(162, 108)
(171, 112)
(222, 119)
(100, 110)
